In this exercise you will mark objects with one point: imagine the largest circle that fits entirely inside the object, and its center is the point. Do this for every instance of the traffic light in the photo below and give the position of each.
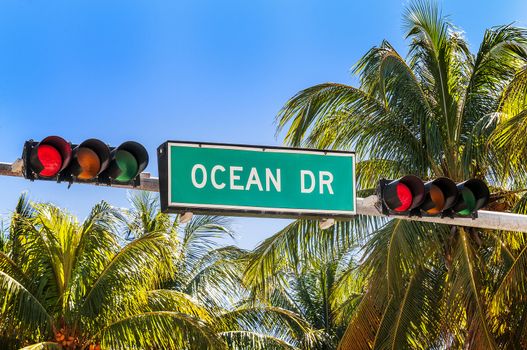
(474, 194)
(412, 196)
(91, 161)
(403, 195)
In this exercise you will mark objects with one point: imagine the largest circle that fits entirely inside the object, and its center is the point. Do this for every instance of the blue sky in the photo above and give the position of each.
(184, 70)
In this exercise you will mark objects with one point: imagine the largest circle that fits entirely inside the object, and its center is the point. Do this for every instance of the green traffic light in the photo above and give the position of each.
(127, 164)
(470, 200)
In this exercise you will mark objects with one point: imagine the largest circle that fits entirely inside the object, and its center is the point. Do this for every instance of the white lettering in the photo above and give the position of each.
(232, 169)
(254, 179)
(204, 174)
(325, 179)
(269, 177)
(303, 188)
(216, 185)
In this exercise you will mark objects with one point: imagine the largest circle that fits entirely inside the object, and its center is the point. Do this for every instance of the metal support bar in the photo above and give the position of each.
(493, 220)
(365, 206)
(147, 183)
(186, 217)
(11, 169)
(326, 223)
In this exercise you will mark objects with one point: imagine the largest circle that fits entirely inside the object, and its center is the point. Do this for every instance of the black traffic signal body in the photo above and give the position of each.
(91, 161)
(403, 195)
(411, 196)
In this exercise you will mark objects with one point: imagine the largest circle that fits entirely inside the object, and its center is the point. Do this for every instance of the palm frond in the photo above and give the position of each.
(467, 293)
(34, 246)
(97, 244)
(500, 55)
(364, 324)
(216, 278)
(43, 346)
(393, 256)
(269, 320)
(202, 234)
(164, 299)
(300, 241)
(417, 305)
(141, 265)
(4, 238)
(495, 81)
(347, 292)
(165, 329)
(18, 225)
(21, 307)
(400, 247)
(440, 57)
(241, 340)
(513, 286)
(9, 267)
(321, 102)
(145, 215)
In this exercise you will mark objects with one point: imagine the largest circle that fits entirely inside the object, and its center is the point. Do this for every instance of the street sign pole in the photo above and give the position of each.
(365, 206)
(147, 183)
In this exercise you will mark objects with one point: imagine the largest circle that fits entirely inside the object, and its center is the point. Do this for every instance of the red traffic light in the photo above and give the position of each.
(50, 156)
(403, 194)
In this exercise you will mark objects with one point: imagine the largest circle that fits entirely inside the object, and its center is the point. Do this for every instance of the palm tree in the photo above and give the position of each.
(323, 289)
(66, 285)
(71, 285)
(204, 268)
(211, 273)
(441, 111)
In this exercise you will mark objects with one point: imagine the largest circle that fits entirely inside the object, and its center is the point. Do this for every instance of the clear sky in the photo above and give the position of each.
(192, 70)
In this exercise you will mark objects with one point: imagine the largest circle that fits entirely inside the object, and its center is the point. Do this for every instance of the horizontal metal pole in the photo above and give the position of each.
(11, 169)
(366, 206)
(148, 183)
(494, 220)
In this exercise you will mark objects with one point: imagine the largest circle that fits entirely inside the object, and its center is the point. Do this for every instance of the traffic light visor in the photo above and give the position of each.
(473, 195)
(50, 156)
(404, 194)
(128, 161)
(139, 152)
(441, 194)
(91, 158)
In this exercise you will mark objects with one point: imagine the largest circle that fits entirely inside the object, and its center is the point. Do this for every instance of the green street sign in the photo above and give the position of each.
(255, 181)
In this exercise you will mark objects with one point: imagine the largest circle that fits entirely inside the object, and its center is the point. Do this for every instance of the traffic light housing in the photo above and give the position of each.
(412, 196)
(473, 195)
(91, 161)
(403, 195)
